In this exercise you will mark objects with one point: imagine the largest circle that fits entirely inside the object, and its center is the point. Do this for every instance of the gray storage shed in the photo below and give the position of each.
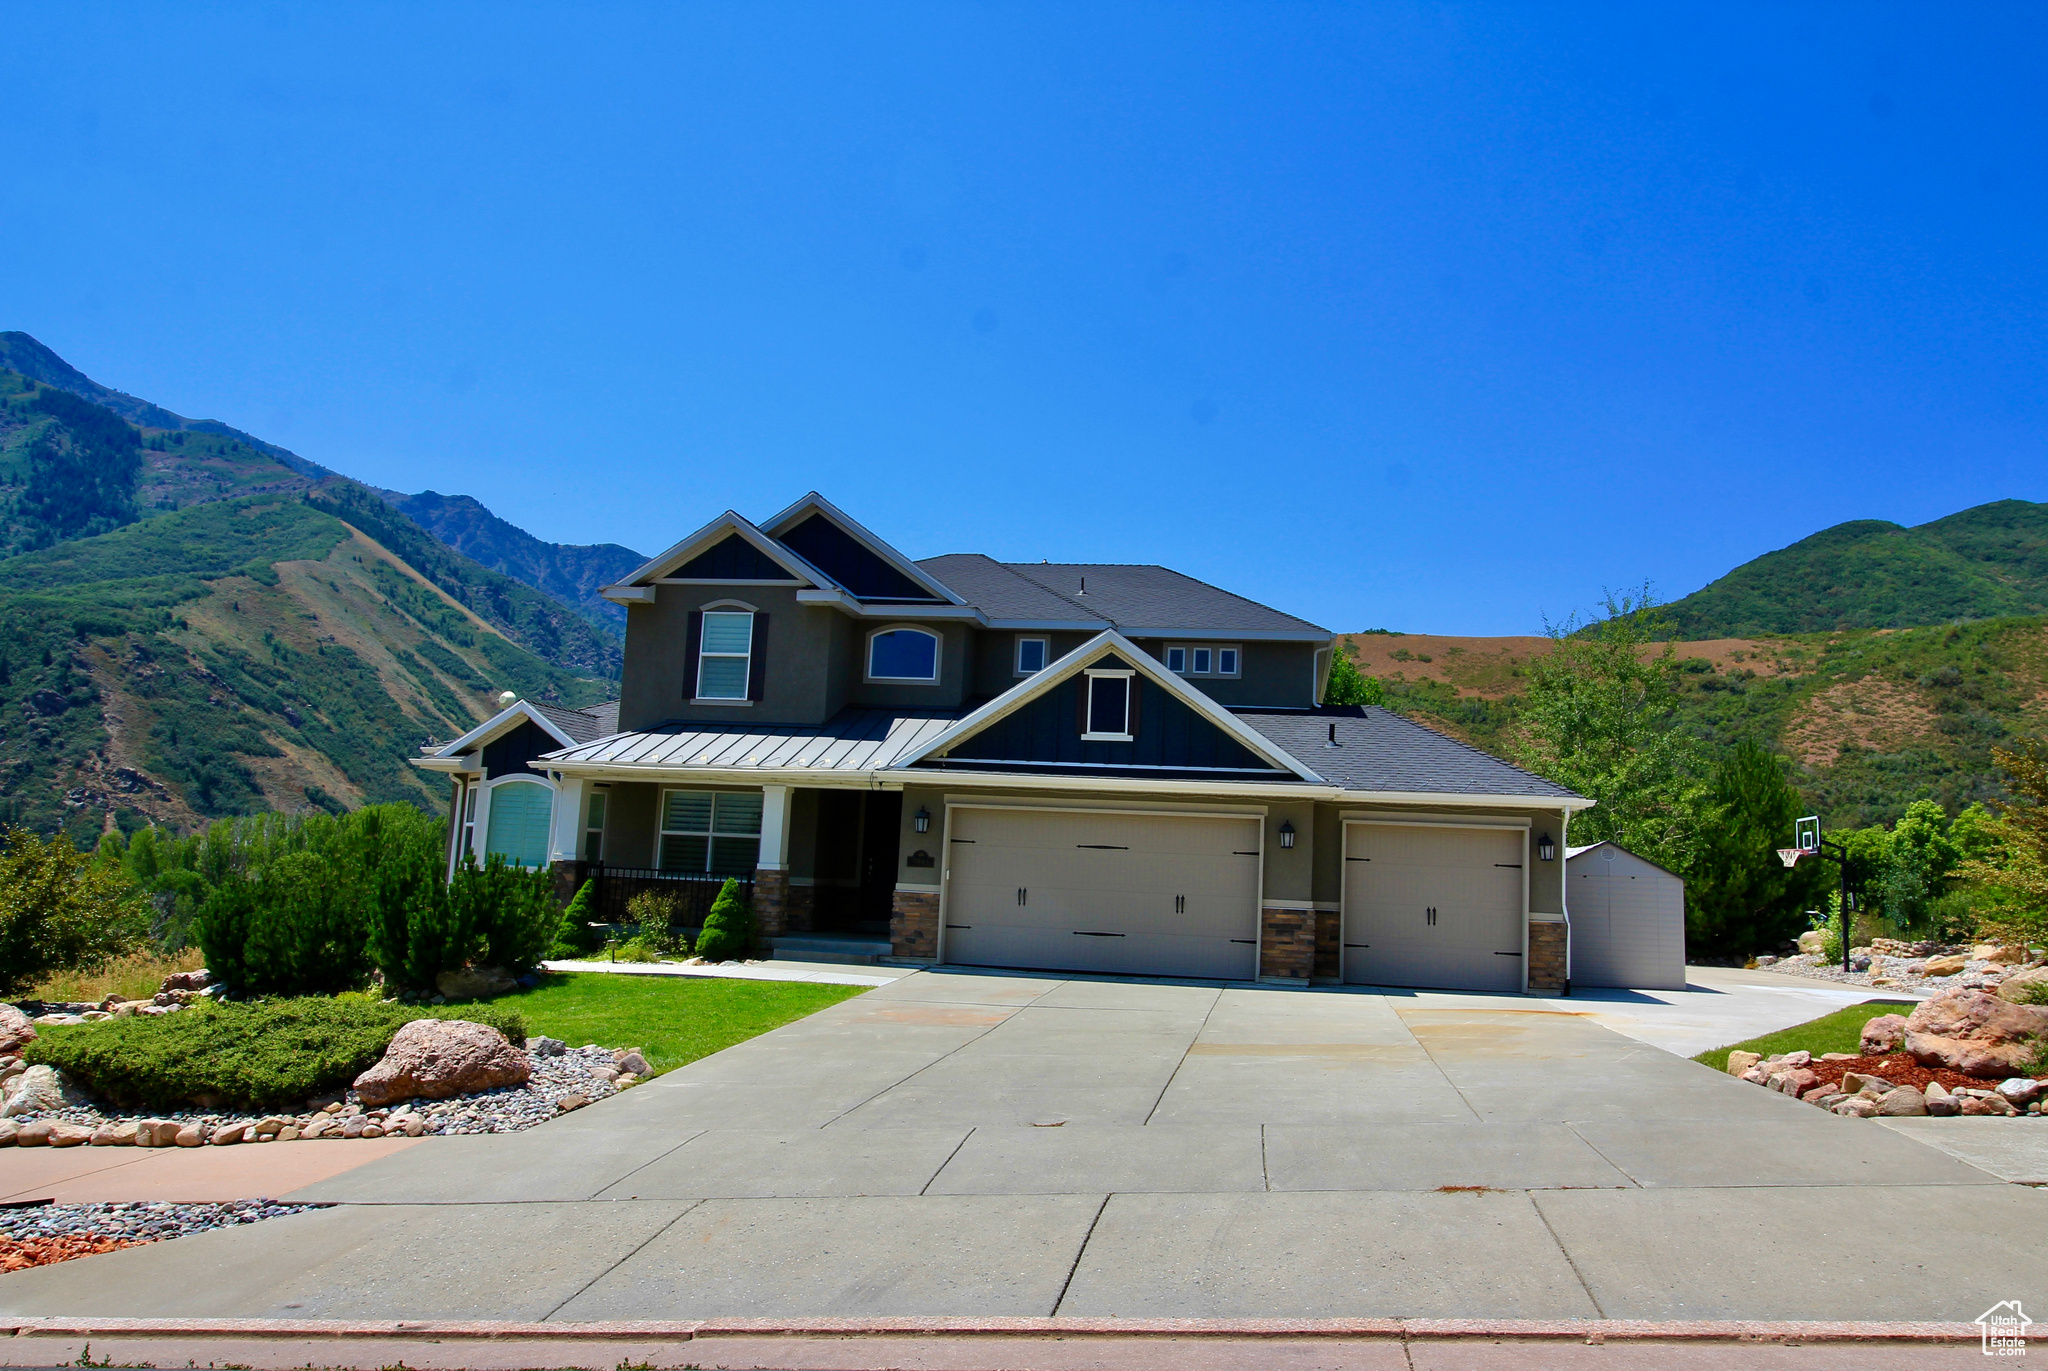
(1627, 920)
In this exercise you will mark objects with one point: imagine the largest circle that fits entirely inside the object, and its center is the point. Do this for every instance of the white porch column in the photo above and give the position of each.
(572, 798)
(774, 828)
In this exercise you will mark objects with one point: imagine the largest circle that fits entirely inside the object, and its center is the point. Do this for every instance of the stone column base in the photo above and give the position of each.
(914, 925)
(771, 892)
(1287, 944)
(1329, 949)
(1547, 957)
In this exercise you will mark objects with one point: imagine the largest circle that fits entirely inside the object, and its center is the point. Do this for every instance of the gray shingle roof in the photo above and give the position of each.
(852, 740)
(583, 725)
(1132, 597)
(1378, 750)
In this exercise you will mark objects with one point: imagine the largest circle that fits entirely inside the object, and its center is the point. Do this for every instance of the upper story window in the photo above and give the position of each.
(903, 654)
(725, 654)
(1107, 707)
(1185, 659)
(1031, 656)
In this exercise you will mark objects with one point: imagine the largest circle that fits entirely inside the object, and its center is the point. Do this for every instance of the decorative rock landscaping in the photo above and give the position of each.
(1889, 964)
(436, 1077)
(1964, 1053)
(40, 1234)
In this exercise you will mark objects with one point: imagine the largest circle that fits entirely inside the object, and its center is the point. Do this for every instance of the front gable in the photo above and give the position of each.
(733, 559)
(508, 753)
(835, 552)
(1166, 732)
(1043, 724)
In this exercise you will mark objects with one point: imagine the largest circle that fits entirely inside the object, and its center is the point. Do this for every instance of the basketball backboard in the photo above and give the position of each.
(1807, 834)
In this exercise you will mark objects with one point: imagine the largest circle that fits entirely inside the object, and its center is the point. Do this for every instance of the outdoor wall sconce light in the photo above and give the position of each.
(1546, 849)
(922, 819)
(1287, 833)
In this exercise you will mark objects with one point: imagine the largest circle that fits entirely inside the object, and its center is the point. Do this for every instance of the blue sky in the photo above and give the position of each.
(1440, 318)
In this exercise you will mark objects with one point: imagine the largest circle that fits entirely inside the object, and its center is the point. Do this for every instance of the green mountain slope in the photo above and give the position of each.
(22, 354)
(572, 573)
(1872, 719)
(1983, 563)
(246, 654)
(70, 468)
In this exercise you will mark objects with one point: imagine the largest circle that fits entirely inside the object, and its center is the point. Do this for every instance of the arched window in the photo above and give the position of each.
(520, 814)
(903, 654)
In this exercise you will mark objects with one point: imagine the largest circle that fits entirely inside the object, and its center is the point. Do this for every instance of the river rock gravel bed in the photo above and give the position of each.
(37, 1235)
(561, 1079)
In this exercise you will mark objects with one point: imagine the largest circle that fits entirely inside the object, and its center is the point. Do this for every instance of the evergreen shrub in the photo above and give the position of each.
(728, 932)
(271, 1055)
(575, 939)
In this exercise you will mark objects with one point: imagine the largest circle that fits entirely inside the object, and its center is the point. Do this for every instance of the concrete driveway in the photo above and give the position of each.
(969, 1144)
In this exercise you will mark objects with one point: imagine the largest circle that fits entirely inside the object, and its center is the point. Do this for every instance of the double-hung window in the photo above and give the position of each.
(469, 794)
(716, 833)
(725, 654)
(1030, 656)
(1108, 707)
(593, 828)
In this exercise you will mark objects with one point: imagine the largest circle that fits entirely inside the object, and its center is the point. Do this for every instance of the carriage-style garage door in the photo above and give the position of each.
(1430, 905)
(1136, 894)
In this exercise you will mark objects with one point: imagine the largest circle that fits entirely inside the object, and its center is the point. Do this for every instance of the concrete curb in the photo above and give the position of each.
(1594, 1331)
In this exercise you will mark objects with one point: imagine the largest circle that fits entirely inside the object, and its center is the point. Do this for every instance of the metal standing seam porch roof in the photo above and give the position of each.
(1378, 751)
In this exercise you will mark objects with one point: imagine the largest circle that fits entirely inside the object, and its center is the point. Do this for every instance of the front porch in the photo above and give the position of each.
(819, 865)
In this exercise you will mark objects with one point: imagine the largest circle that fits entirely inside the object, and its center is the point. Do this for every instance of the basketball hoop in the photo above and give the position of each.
(1790, 855)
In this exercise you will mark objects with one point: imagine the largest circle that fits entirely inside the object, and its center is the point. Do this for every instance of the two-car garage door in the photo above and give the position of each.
(1433, 905)
(1123, 893)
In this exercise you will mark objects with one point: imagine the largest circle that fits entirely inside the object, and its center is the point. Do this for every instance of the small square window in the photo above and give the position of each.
(1177, 660)
(1202, 659)
(1226, 661)
(1030, 656)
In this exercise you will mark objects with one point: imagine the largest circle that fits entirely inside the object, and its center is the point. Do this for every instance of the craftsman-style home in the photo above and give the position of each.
(1103, 768)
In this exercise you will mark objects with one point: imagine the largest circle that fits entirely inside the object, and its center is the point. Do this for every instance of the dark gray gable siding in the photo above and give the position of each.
(732, 558)
(833, 551)
(509, 754)
(1047, 732)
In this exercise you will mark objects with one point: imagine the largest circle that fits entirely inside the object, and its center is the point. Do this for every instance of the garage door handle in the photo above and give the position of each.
(1079, 933)
(1022, 895)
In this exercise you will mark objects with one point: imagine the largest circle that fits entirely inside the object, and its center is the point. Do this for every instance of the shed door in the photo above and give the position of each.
(1628, 922)
(1433, 906)
(1138, 894)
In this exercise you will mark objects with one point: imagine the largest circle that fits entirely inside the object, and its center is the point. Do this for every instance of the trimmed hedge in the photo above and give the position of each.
(271, 1055)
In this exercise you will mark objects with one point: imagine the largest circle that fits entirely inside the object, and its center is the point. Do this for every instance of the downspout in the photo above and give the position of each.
(1564, 893)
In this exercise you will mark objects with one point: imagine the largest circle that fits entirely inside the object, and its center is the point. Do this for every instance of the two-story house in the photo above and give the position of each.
(1103, 768)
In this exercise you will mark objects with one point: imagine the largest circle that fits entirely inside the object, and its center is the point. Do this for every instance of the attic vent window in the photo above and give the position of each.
(1108, 707)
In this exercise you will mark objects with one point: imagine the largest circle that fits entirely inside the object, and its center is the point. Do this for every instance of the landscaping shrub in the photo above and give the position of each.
(638, 950)
(297, 929)
(728, 931)
(60, 910)
(508, 913)
(242, 1056)
(574, 936)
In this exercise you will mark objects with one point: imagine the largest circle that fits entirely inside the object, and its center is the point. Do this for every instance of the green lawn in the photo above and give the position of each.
(1841, 1031)
(673, 1019)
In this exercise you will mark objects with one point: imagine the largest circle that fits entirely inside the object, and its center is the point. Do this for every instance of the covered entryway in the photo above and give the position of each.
(1085, 890)
(1434, 905)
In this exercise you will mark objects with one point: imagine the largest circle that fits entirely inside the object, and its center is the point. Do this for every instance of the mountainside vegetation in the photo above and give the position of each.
(571, 573)
(1983, 563)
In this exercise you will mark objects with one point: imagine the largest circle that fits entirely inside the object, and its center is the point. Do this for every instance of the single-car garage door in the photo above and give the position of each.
(1136, 894)
(1433, 905)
